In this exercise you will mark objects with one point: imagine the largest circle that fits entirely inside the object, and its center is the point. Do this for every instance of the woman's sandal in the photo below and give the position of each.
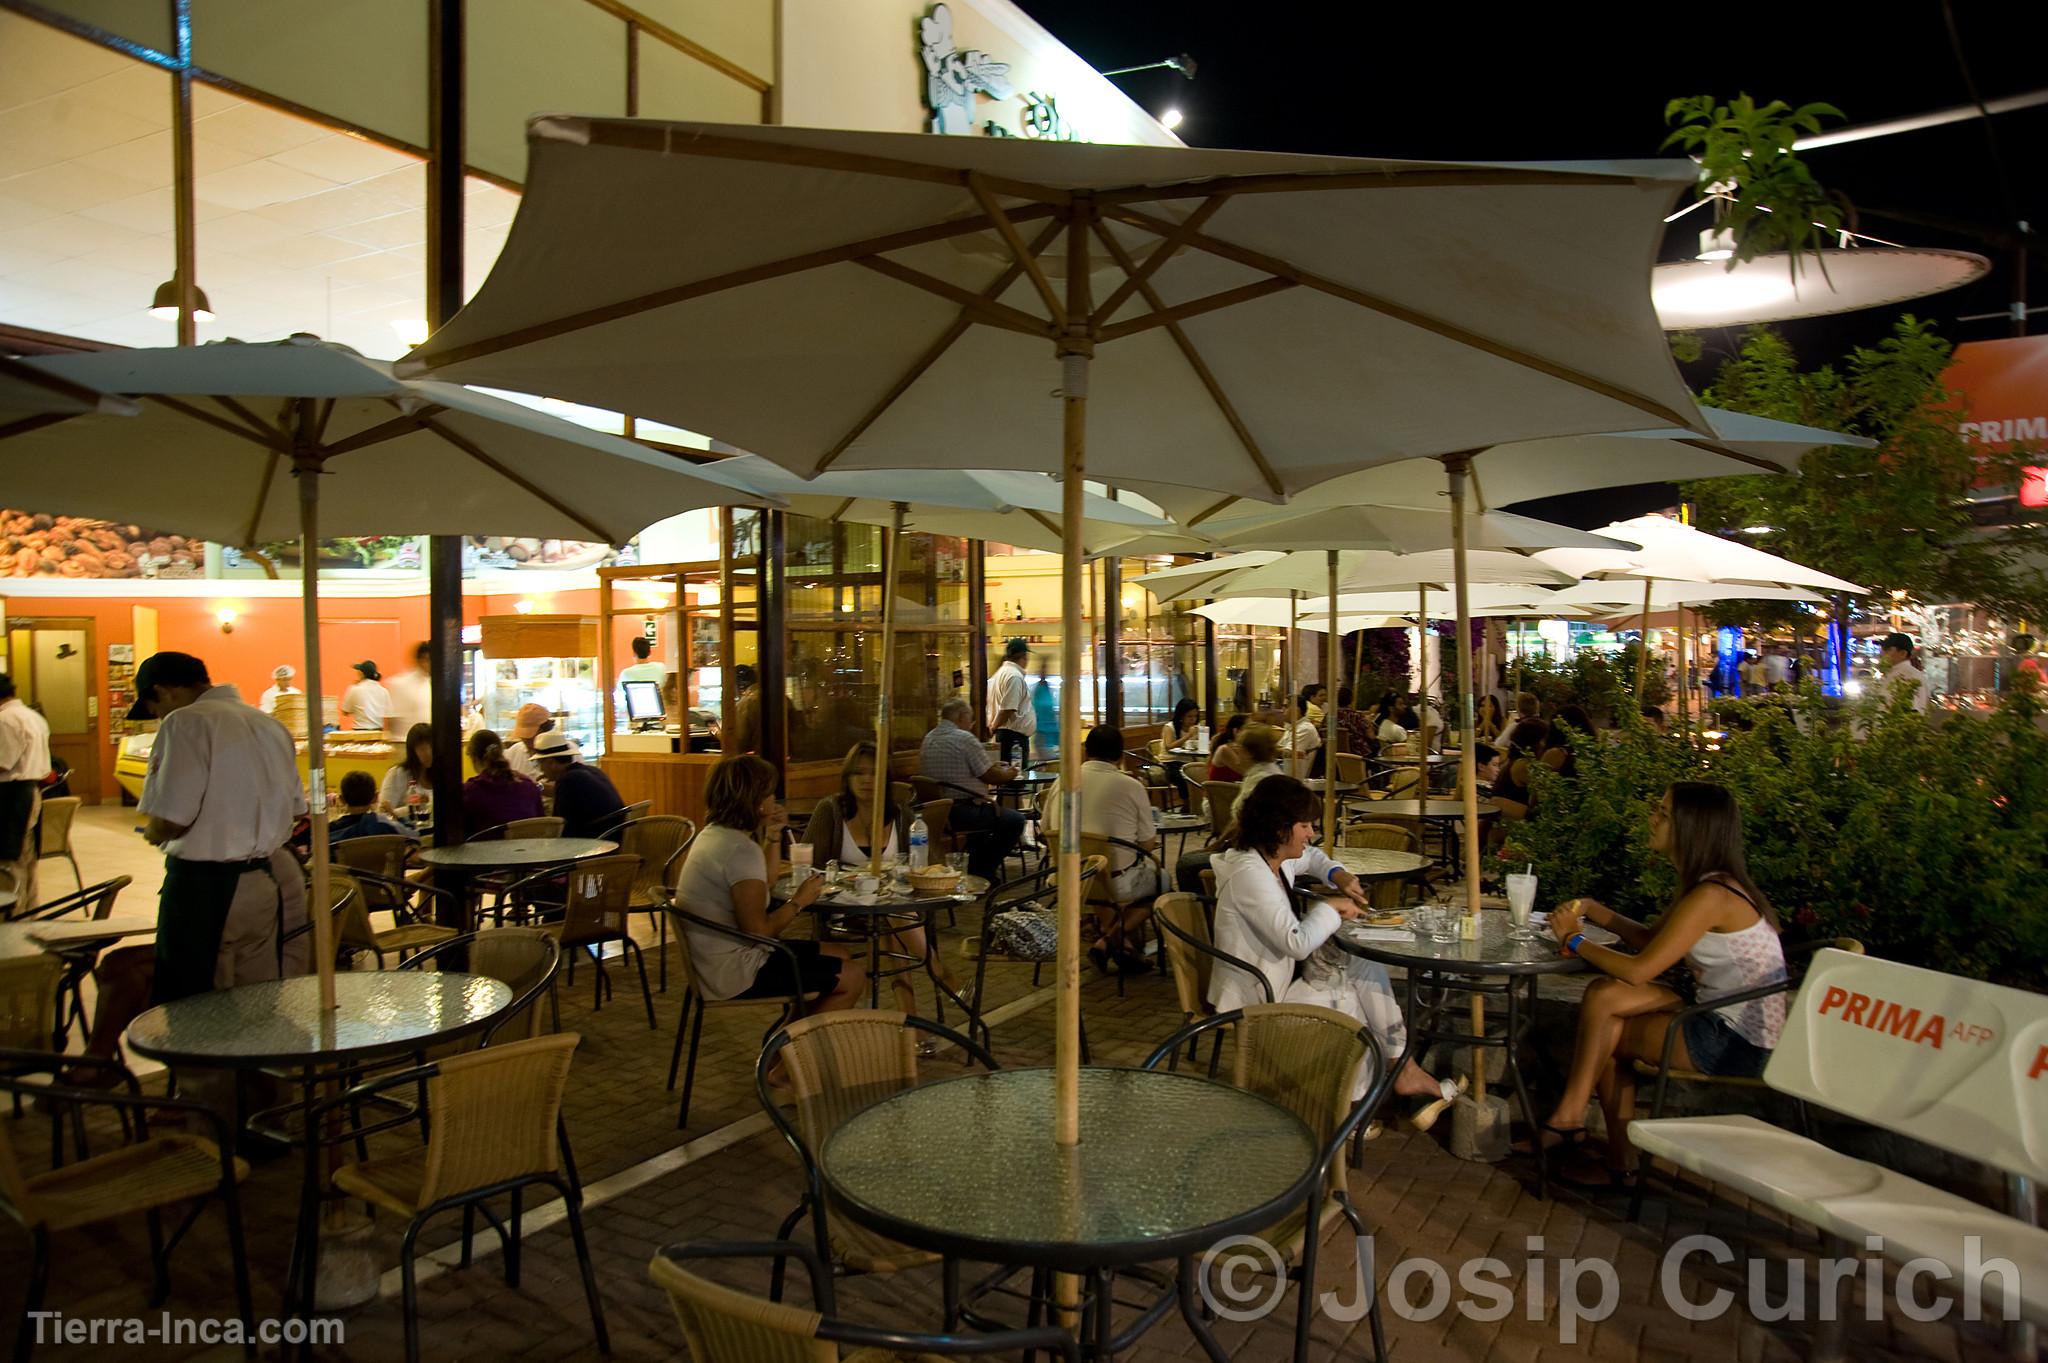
(1449, 1091)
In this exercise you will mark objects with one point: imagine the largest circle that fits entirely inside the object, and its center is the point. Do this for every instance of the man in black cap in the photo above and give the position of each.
(1895, 655)
(221, 796)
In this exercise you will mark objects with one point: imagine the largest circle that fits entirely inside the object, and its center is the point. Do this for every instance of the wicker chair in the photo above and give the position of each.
(696, 1003)
(597, 895)
(838, 1064)
(496, 1129)
(639, 809)
(661, 841)
(146, 1175)
(525, 960)
(1114, 922)
(29, 1019)
(1664, 1071)
(381, 853)
(724, 1325)
(408, 933)
(98, 902)
(1039, 886)
(53, 833)
(1221, 798)
(1190, 947)
(495, 882)
(1306, 1059)
(1383, 837)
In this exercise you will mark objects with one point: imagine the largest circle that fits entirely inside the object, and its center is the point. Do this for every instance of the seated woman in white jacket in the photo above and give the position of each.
(1256, 922)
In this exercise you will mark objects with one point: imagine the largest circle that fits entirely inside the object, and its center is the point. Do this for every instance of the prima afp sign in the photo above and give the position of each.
(957, 80)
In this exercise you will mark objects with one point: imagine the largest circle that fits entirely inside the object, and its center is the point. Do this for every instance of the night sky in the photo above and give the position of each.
(1498, 83)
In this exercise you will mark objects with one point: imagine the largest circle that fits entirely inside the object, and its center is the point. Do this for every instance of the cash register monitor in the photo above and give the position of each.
(643, 702)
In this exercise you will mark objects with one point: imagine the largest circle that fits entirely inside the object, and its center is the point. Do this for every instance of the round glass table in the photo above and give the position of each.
(1448, 814)
(1372, 864)
(897, 907)
(505, 854)
(1168, 1164)
(1495, 963)
(280, 1025)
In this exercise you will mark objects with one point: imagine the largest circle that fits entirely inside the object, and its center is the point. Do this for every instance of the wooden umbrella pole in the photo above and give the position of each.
(891, 547)
(306, 468)
(1076, 349)
(1287, 679)
(1357, 662)
(1422, 686)
(1643, 658)
(1456, 467)
(1330, 646)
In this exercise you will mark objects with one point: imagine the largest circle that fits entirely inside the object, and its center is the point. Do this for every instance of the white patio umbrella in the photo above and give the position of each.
(28, 395)
(1673, 551)
(1260, 322)
(1008, 506)
(226, 430)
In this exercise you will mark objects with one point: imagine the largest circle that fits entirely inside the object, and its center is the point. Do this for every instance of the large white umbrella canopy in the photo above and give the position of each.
(27, 394)
(1306, 573)
(1672, 551)
(1254, 323)
(249, 443)
(1386, 610)
(1595, 594)
(1307, 524)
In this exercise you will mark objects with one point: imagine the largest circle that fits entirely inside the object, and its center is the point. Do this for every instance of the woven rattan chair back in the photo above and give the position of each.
(351, 913)
(1222, 799)
(1382, 837)
(494, 1115)
(28, 1001)
(658, 840)
(1351, 768)
(540, 826)
(1190, 964)
(599, 899)
(53, 830)
(378, 853)
(724, 1325)
(1305, 1059)
(519, 958)
(840, 1062)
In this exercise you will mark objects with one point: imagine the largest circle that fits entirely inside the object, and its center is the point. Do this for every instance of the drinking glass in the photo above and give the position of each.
(957, 861)
(1445, 927)
(1521, 901)
(800, 861)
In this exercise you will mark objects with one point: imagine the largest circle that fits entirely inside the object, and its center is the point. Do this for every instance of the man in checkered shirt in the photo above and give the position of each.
(954, 757)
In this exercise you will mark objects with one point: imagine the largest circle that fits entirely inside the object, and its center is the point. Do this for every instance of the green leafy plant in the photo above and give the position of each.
(1764, 194)
(1928, 843)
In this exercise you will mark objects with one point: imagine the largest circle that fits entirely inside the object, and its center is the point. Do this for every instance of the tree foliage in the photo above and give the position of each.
(1894, 518)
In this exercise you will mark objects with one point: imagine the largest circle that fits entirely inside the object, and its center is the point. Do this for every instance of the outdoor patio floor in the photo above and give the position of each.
(732, 1176)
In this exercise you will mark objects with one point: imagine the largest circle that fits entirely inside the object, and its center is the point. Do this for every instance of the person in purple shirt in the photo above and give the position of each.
(496, 794)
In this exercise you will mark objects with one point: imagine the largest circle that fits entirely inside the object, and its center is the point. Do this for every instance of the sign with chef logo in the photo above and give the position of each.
(961, 84)
(1955, 1062)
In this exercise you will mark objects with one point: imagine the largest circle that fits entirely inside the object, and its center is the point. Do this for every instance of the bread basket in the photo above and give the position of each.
(934, 879)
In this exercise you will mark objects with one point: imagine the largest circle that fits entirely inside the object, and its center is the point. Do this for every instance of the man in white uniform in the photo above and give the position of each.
(24, 762)
(1011, 721)
(280, 685)
(221, 796)
(1895, 655)
(412, 693)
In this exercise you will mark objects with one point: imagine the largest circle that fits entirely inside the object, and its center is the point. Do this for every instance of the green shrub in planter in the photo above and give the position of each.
(1929, 844)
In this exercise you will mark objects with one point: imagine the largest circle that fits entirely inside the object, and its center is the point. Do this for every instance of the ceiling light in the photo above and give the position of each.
(165, 304)
(1170, 120)
(1717, 243)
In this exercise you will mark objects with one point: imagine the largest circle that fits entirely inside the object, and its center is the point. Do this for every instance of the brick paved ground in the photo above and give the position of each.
(729, 1176)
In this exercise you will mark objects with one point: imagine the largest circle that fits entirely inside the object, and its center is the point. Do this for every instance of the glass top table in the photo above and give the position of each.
(1428, 809)
(1493, 952)
(505, 853)
(1168, 1165)
(1373, 863)
(281, 1022)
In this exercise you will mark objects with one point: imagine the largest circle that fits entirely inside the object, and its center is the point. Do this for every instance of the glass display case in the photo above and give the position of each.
(566, 686)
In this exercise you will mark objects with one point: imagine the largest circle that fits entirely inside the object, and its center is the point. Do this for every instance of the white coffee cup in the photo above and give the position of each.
(867, 887)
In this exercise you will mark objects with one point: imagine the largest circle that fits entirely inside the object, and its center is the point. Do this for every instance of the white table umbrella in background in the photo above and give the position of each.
(244, 444)
(1243, 322)
(1006, 506)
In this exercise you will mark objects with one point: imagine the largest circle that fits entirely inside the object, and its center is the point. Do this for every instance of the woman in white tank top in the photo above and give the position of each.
(1721, 926)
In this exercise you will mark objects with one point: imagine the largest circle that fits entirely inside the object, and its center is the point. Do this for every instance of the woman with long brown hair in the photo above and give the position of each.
(1720, 925)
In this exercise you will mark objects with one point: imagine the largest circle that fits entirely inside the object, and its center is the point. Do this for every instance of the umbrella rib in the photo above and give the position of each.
(470, 448)
(932, 354)
(35, 423)
(1710, 447)
(1019, 252)
(383, 431)
(1207, 512)
(49, 383)
(1197, 363)
(639, 135)
(1258, 260)
(1391, 178)
(270, 440)
(842, 508)
(1043, 519)
(985, 310)
(702, 288)
(1161, 253)
(237, 409)
(262, 496)
(1195, 307)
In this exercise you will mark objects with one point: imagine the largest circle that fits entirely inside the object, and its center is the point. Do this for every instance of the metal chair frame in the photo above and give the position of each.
(691, 1019)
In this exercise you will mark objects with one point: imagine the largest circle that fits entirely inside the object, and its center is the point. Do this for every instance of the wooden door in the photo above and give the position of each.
(51, 660)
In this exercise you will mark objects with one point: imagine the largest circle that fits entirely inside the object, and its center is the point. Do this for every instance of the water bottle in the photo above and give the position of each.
(920, 844)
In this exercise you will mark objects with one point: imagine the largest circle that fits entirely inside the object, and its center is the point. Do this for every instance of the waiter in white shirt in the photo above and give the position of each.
(221, 797)
(1011, 720)
(24, 762)
(1895, 655)
(412, 693)
(366, 702)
